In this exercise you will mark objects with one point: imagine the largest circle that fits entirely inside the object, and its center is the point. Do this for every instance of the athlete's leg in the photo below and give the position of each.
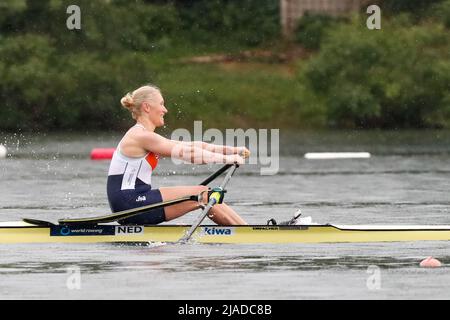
(223, 214)
(220, 213)
(179, 209)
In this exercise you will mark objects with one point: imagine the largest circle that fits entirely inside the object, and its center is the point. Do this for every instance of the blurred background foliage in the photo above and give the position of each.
(333, 73)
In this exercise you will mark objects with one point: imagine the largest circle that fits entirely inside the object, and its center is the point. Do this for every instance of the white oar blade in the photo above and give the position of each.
(337, 155)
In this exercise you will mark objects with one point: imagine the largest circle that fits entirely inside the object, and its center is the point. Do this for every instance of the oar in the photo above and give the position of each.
(215, 174)
(127, 213)
(212, 201)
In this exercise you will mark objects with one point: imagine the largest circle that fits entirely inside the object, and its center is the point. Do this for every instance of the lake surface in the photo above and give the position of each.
(406, 181)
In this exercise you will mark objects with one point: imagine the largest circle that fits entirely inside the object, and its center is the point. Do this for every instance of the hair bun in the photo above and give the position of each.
(127, 101)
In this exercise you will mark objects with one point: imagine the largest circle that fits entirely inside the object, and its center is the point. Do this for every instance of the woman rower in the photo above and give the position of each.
(136, 157)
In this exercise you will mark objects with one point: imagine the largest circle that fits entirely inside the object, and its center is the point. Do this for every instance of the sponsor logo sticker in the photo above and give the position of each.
(141, 198)
(218, 231)
(81, 231)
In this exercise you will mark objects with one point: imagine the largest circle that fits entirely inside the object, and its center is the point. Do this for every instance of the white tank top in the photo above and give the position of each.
(133, 168)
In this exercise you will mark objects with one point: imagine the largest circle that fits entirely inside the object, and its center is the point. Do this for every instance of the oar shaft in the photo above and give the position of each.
(126, 213)
(215, 174)
(228, 176)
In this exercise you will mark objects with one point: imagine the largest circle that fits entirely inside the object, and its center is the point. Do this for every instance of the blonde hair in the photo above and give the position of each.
(132, 101)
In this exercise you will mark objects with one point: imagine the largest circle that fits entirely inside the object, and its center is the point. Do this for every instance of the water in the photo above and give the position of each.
(406, 182)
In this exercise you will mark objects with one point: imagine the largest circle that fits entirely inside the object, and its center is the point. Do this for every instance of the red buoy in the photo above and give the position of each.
(102, 153)
(430, 262)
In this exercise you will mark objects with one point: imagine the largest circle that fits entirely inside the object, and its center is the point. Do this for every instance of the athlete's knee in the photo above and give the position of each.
(203, 188)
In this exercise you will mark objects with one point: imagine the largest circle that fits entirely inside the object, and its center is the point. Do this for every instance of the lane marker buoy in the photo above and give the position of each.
(3, 151)
(430, 262)
(102, 153)
(337, 155)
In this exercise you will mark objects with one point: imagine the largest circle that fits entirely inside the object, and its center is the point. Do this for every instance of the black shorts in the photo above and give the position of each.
(121, 200)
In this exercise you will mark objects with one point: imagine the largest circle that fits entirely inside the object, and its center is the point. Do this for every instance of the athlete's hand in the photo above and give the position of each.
(243, 152)
(238, 159)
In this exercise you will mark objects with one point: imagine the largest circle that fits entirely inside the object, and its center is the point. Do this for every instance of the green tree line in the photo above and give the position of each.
(396, 77)
(52, 78)
(55, 78)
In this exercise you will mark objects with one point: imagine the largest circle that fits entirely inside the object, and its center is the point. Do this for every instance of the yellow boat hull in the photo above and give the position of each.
(11, 233)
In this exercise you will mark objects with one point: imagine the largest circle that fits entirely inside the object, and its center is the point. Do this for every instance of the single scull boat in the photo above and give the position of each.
(106, 229)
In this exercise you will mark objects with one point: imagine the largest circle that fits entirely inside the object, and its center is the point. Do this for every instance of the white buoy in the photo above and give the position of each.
(337, 155)
(3, 151)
